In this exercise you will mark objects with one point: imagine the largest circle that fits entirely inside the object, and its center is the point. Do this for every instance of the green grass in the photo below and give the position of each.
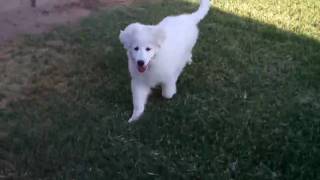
(247, 108)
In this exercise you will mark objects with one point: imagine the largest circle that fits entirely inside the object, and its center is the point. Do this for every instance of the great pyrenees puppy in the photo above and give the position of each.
(158, 53)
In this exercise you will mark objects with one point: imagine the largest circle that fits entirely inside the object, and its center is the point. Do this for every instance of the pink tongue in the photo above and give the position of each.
(142, 69)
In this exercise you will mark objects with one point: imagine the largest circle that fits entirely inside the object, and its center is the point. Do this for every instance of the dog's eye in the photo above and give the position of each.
(148, 49)
(136, 48)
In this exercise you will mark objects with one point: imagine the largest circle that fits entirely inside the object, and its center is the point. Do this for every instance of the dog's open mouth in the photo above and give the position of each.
(142, 69)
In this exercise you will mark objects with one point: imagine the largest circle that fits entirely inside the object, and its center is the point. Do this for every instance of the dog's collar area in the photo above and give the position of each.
(152, 58)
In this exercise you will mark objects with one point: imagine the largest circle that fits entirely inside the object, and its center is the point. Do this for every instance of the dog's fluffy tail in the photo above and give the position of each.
(202, 11)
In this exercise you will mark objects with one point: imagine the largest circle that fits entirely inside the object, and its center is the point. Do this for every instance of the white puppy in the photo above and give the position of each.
(158, 53)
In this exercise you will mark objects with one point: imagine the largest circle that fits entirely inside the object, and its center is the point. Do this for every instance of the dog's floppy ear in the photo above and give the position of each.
(160, 36)
(125, 38)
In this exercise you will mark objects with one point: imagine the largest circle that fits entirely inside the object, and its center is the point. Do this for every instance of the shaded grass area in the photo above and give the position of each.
(247, 108)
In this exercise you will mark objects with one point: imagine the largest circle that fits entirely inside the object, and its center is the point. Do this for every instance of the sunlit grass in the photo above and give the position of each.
(299, 16)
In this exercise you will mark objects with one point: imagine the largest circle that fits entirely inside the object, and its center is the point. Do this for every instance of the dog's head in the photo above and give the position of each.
(142, 43)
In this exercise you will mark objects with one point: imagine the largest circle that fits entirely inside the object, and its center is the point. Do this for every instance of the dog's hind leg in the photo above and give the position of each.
(140, 94)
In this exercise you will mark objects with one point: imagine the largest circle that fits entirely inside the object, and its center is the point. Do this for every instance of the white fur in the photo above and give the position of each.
(165, 49)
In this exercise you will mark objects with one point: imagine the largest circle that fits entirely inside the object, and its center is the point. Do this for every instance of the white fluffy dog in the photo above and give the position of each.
(158, 53)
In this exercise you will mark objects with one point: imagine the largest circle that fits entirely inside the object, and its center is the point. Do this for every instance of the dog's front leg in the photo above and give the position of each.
(140, 94)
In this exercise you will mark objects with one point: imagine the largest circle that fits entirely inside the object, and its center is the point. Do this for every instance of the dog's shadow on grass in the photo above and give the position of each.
(243, 73)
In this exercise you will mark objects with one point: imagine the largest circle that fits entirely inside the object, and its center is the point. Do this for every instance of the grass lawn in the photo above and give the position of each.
(247, 108)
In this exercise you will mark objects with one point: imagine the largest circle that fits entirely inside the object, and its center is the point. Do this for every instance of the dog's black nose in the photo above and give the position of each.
(140, 63)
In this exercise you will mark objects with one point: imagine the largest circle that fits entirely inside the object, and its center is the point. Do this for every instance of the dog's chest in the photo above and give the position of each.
(155, 76)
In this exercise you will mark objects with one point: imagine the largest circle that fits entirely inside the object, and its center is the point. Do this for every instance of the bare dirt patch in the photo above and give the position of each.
(19, 17)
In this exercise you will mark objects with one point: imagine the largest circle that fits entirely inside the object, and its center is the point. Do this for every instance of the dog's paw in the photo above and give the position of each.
(169, 91)
(135, 116)
(131, 120)
(168, 95)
